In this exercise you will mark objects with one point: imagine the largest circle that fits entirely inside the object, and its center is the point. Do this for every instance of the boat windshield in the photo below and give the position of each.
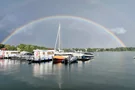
(63, 54)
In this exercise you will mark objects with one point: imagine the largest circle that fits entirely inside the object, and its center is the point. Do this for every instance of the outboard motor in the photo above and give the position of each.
(66, 60)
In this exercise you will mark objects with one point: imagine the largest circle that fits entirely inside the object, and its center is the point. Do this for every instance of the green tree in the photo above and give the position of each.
(13, 47)
(2, 46)
(21, 47)
(8, 47)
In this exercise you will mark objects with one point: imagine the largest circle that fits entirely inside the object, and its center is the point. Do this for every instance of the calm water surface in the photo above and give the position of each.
(107, 71)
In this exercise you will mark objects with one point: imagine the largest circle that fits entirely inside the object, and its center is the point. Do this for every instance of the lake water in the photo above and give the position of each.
(107, 71)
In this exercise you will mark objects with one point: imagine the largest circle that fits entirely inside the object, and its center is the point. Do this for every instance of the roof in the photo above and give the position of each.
(11, 51)
(43, 50)
(3, 48)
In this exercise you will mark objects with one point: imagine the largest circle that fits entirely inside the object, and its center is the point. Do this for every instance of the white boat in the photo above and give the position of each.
(83, 56)
(42, 55)
(24, 55)
(1, 54)
(73, 59)
(9, 54)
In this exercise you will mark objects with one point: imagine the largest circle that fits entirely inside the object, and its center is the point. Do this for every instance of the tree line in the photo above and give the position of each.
(30, 48)
(22, 47)
(101, 49)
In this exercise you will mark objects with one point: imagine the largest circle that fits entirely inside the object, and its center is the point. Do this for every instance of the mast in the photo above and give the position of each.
(58, 38)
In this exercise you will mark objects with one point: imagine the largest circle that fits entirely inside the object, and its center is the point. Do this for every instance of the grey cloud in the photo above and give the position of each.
(9, 18)
(8, 23)
(119, 30)
(1, 25)
(113, 13)
(77, 34)
(94, 1)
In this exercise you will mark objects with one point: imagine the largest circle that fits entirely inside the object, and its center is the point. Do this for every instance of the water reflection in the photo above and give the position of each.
(106, 70)
(40, 70)
(49, 68)
(58, 72)
(9, 66)
(5, 64)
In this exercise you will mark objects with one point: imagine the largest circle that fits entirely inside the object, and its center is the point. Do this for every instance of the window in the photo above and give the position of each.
(50, 53)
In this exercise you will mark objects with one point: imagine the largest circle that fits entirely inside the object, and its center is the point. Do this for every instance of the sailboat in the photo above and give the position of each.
(68, 57)
(60, 55)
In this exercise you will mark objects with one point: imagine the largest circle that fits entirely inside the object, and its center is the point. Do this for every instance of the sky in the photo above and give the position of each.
(116, 15)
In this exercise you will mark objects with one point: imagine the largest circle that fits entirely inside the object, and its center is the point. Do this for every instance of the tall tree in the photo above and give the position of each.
(2, 46)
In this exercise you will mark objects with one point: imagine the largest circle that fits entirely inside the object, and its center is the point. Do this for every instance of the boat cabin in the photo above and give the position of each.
(8, 54)
(43, 54)
(1, 54)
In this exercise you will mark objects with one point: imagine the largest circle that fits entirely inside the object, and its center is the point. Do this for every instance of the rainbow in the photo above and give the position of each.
(64, 16)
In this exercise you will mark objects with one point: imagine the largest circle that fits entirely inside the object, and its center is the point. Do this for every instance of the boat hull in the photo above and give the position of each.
(83, 59)
(55, 60)
(1, 57)
(58, 59)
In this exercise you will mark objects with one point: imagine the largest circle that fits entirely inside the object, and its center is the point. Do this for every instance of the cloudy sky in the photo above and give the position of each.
(116, 15)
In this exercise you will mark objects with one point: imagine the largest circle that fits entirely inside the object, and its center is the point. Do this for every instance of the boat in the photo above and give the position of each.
(68, 57)
(9, 54)
(89, 53)
(1, 57)
(72, 59)
(42, 56)
(81, 56)
(85, 58)
(24, 55)
(1, 54)
(60, 56)
(65, 58)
